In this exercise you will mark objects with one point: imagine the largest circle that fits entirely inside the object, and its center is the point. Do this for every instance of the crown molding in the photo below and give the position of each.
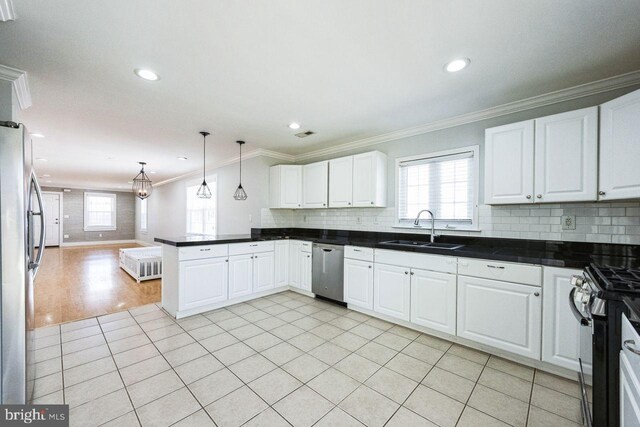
(226, 162)
(7, 12)
(598, 86)
(19, 81)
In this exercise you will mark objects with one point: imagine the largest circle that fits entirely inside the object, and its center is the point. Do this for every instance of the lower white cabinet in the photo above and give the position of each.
(263, 265)
(281, 263)
(500, 314)
(305, 271)
(204, 282)
(392, 291)
(240, 275)
(433, 300)
(629, 394)
(294, 263)
(564, 340)
(358, 283)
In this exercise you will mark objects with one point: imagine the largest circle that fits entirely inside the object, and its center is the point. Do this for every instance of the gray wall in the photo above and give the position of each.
(167, 204)
(73, 206)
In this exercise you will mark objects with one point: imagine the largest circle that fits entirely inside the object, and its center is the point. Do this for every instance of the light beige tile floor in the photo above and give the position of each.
(285, 359)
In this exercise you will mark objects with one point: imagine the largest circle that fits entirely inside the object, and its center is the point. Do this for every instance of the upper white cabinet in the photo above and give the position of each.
(508, 159)
(550, 159)
(564, 340)
(340, 182)
(370, 179)
(285, 186)
(566, 156)
(620, 148)
(315, 180)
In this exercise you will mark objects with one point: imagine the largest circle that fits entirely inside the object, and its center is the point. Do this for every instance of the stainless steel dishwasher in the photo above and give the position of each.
(327, 271)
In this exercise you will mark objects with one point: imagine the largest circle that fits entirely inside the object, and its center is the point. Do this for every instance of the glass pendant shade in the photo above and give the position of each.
(142, 184)
(240, 194)
(204, 192)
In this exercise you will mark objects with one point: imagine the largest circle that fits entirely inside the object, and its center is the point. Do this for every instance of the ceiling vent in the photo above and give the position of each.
(304, 134)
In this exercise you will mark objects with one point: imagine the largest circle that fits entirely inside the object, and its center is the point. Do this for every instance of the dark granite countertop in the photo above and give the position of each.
(549, 253)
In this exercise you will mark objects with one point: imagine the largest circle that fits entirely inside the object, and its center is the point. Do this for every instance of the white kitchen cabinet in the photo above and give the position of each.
(315, 180)
(204, 281)
(340, 182)
(629, 394)
(433, 300)
(305, 271)
(285, 186)
(509, 157)
(281, 263)
(564, 340)
(620, 148)
(295, 258)
(358, 283)
(392, 291)
(263, 275)
(566, 156)
(240, 275)
(370, 179)
(500, 314)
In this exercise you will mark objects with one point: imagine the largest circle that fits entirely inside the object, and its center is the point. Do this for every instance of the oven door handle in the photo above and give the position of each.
(583, 320)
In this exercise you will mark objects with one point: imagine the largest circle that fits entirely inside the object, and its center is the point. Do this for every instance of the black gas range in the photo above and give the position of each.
(598, 299)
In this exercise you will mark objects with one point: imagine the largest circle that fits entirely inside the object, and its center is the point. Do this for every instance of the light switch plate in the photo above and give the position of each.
(568, 222)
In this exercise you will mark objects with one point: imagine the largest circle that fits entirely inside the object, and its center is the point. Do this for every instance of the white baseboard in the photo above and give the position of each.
(99, 242)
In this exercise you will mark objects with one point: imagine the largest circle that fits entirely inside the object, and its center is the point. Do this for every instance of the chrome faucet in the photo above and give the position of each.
(433, 223)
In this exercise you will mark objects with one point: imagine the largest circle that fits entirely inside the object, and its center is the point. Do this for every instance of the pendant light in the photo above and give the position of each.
(203, 191)
(240, 194)
(142, 184)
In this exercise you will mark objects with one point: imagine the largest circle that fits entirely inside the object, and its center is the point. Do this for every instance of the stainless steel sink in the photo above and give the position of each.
(418, 243)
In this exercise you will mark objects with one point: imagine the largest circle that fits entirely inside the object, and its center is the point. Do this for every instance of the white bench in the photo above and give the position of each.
(142, 263)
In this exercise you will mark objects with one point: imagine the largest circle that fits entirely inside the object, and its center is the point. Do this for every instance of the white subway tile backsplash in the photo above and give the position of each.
(595, 222)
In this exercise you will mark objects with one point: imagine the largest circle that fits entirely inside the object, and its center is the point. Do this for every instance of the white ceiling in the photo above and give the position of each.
(244, 69)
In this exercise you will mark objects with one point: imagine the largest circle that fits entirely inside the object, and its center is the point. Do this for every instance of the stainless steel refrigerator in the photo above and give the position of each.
(20, 213)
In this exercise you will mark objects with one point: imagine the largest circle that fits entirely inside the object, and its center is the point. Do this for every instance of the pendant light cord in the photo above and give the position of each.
(204, 157)
(240, 164)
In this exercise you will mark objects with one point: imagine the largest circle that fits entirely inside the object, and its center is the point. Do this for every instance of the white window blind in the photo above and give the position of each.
(143, 215)
(99, 212)
(444, 184)
(201, 213)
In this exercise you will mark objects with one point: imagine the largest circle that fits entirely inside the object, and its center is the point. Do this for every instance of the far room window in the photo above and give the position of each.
(99, 212)
(446, 183)
(143, 215)
(201, 213)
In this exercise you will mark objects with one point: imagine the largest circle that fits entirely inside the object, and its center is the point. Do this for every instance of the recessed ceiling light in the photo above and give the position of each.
(46, 175)
(457, 65)
(182, 158)
(48, 181)
(146, 74)
(129, 182)
(294, 125)
(41, 159)
(36, 135)
(152, 172)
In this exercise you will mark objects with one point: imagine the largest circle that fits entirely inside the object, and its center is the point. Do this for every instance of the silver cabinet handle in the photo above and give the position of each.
(412, 273)
(357, 250)
(205, 250)
(539, 196)
(601, 193)
(499, 267)
(631, 346)
(349, 203)
(369, 266)
(371, 202)
(226, 260)
(528, 196)
(406, 272)
(537, 294)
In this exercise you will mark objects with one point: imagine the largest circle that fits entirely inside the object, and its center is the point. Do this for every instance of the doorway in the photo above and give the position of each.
(52, 206)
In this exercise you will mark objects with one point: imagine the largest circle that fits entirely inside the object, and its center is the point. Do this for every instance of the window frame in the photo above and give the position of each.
(212, 181)
(114, 226)
(425, 221)
(144, 229)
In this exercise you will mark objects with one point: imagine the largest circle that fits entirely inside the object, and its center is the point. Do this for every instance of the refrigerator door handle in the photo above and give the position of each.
(34, 265)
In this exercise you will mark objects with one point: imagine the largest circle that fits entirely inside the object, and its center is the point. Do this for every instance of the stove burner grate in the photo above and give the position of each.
(618, 278)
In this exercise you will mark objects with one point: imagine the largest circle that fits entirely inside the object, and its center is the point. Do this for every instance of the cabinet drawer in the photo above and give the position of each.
(201, 252)
(305, 246)
(443, 264)
(507, 272)
(251, 247)
(360, 253)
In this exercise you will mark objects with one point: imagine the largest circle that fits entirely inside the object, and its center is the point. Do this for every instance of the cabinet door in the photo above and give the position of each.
(566, 151)
(203, 282)
(263, 275)
(509, 164)
(358, 283)
(282, 263)
(500, 314)
(295, 260)
(391, 291)
(564, 340)
(370, 179)
(629, 394)
(433, 300)
(340, 182)
(305, 271)
(314, 185)
(240, 275)
(291, 186)
(620, 148)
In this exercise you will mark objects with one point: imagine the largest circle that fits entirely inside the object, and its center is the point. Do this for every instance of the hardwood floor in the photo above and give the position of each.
(86, 281)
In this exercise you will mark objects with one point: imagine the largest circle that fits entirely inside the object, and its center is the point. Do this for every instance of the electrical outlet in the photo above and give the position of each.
(358, 220)
(100, 235)
(376, 221)
(66, 217)
(304, 218)
(66, 236)
(568, 222)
